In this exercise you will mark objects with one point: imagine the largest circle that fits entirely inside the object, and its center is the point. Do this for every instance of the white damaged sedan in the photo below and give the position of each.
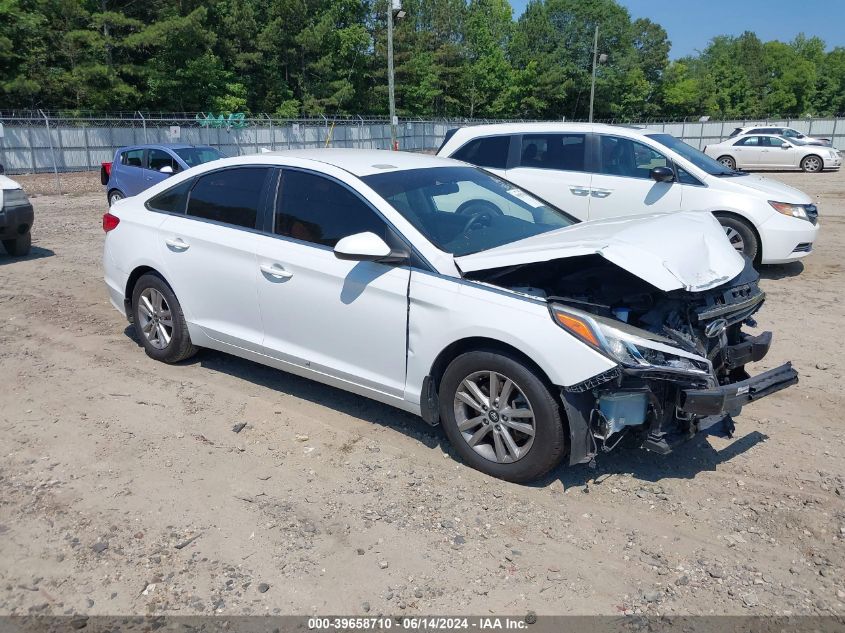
(448, 292)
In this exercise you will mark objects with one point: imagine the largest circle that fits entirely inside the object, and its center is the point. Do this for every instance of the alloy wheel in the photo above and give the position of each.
(727, 162)
(155, 318)
(494, 417)
(811, 163)
(735, 238)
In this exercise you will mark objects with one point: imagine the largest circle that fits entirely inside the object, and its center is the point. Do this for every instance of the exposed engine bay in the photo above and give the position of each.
(681, 355)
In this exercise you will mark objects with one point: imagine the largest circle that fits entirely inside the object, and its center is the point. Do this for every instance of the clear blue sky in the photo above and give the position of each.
(692, 23)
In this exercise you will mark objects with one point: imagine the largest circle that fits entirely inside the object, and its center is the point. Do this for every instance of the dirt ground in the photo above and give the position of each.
(124, 490)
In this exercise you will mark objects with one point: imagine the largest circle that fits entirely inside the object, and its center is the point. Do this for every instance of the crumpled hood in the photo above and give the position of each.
(773, 189)
(671, 251)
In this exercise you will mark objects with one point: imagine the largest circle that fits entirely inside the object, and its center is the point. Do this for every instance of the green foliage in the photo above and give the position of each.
(457, 58)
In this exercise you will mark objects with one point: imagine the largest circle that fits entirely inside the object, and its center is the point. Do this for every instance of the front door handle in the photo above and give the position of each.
(177, 244)
(276, 271)
(601, 193)
(579, 191)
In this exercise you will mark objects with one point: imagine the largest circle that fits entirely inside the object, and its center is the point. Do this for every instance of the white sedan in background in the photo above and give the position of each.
(441, 289)
(770, 151)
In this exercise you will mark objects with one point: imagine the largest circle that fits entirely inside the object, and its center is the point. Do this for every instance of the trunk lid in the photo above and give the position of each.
(684, 250)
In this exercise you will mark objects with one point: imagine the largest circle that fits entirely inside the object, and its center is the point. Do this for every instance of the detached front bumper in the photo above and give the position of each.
(728, 399)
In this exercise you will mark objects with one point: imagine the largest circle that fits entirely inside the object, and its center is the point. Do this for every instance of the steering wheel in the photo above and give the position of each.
(480, 212)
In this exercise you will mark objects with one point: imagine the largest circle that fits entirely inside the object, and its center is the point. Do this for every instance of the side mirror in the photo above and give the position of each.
(362, 247)
(662, 174)
(167, 169)
(785, 145)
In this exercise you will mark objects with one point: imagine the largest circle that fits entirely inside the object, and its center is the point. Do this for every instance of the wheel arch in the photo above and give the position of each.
(429, 401)
(820, 159)
(134, 276)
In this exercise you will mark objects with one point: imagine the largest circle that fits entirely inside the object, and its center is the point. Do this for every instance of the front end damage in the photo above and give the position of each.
(680, 355)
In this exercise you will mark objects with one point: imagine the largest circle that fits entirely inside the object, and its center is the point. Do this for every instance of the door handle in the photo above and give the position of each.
(177, 244)
(601, 193)
(579, 191)
(275, 270)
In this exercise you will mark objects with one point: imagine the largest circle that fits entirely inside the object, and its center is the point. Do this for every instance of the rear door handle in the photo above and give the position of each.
(177, 244)
(601, 193)
(579, 191)
(276, 271)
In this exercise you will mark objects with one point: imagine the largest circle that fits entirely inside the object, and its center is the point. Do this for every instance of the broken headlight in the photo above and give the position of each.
(629, 346)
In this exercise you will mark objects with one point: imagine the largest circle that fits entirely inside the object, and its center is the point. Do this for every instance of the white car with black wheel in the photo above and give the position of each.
(596, 171)
(769, 151)
(443, 290)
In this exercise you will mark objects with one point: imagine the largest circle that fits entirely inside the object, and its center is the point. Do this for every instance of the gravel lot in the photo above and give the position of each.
(124, 490)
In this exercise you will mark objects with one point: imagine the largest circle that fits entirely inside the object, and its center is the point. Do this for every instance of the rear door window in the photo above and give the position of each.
(491, 151)
(554, 151)
(132, 158)
(230, 196)
(173, 200)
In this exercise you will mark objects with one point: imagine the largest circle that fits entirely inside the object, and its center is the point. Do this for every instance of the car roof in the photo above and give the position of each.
(161, 146)
(364, 162)
(548, 126)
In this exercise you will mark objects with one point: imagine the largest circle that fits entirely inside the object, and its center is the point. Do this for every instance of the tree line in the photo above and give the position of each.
(454, 58)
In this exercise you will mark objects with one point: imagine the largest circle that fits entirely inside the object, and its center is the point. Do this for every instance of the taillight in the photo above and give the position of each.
(107, 168)
(110, 222)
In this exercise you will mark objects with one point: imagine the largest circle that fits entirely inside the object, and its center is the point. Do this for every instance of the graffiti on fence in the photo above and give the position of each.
(235, 121)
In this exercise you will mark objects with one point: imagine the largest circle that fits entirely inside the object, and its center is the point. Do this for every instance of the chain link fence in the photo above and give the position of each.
(43, 142)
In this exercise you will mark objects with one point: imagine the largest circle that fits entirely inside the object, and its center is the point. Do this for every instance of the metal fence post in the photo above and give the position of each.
(272, 134)
(143, 124)
(88, 164)
(52, 152)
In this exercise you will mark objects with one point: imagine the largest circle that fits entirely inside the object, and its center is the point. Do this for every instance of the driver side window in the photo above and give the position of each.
(318, 210)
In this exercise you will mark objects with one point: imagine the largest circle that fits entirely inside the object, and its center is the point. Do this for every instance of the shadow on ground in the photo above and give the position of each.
(781, 271)
(36, 252)
(685, 462)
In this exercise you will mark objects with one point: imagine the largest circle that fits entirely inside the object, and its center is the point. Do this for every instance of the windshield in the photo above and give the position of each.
(790, 133)
(194, 156)
(463, 210)
(696, 157)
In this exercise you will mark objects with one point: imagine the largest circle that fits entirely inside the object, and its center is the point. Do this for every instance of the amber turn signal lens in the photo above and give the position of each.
(577, 327)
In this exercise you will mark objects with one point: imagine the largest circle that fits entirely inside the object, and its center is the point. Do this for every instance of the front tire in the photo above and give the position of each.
(727, 161)
(741, 236)
(501, 417)
(159, 321)
(19, 247)
(812, 164)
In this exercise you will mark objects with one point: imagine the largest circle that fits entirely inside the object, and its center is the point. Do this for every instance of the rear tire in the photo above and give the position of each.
(812, 164)
(520, 436)
(727, 161)
(114, 196)
(742, 236)
(159, 321)
(19, 247)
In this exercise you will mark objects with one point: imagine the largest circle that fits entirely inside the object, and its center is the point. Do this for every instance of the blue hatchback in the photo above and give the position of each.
(139, 167)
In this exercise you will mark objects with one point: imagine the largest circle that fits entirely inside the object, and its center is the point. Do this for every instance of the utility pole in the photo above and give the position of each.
(595, 59)
(390, 90)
